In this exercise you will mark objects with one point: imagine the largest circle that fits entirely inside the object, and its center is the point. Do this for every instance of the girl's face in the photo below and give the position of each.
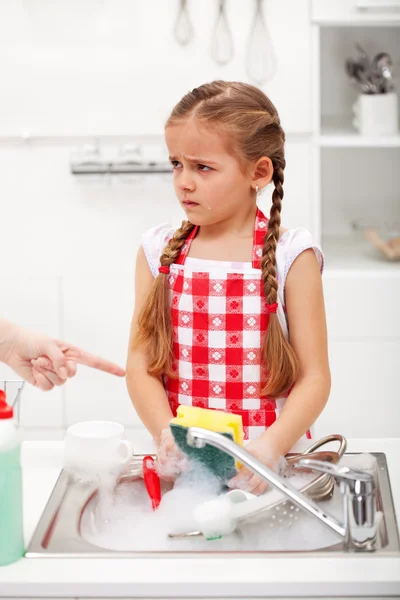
(209, 183)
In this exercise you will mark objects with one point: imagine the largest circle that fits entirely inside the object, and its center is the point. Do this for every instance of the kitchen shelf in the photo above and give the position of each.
(339, 133)
(354, 253)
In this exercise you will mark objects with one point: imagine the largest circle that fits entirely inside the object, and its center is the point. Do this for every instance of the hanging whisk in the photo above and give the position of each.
(221, 42)
(260, 60)
(183, 29)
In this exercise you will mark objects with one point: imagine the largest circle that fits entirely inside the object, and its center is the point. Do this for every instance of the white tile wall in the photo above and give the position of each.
(68, 248)
(34, 302)
(56, 224)
(114, 67)
(74, 244)
(97, 314)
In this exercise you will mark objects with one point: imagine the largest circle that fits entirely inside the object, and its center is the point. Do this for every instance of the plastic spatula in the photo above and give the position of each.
(152, 481)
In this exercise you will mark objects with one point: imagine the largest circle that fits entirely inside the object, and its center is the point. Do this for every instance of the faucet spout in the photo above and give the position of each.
(199, 437)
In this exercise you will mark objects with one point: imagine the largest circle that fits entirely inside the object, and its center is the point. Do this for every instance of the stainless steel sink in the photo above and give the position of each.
(59, 532)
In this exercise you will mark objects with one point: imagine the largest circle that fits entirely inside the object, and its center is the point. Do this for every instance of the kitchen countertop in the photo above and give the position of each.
(205, 577)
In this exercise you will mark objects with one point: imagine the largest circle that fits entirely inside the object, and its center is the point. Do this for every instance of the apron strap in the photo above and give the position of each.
(260, 229)
(186, 246)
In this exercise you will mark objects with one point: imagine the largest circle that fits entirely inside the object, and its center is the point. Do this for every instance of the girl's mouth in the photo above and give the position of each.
(189, 203)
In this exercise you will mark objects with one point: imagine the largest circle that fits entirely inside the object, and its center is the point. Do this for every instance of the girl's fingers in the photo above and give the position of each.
(241, 479)
(51, 376)
(260, 487)
(41, 381)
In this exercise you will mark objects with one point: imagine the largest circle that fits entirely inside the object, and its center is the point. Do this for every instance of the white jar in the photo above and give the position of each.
(376, 114)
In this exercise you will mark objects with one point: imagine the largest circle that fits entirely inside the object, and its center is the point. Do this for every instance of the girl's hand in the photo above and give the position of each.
(45, 362)
(248, 481)
(170, 459)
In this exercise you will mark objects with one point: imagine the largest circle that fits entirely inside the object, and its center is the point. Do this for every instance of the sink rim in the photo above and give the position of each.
(50, 522)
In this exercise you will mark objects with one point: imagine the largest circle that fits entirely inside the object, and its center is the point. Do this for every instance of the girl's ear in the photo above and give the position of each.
(263, 171)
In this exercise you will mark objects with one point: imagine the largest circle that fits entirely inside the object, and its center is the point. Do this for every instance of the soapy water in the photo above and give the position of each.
(121, 518)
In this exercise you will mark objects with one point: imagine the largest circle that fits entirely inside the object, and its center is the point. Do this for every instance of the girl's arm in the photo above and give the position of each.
(146, 392)
(308, 336)
(307, 326)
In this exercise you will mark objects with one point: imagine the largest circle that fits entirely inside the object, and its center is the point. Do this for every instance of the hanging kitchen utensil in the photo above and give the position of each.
(221, 49)
(382, 65)
(183, 29)
(363, 59)
(260, 59)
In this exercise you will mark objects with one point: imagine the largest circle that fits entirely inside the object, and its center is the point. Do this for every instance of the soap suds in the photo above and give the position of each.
(122, 519)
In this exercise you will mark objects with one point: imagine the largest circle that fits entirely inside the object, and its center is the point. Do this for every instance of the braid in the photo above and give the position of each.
(268, 262)
(174, 246)
(279, 357)
(154, 332)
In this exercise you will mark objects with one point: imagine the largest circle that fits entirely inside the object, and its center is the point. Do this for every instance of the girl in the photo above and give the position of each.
(217, 298)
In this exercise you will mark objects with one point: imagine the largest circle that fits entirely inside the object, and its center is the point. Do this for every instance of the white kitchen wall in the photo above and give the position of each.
(68, 244)
(59, 224)
(110, 77)
(34, 302)
(113, 66)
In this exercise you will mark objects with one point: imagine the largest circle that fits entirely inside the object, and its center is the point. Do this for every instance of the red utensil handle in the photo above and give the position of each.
(152, 481)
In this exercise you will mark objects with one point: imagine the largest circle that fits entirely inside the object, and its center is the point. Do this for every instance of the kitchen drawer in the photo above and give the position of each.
(328, 12)
(362, 306)
(364, 396)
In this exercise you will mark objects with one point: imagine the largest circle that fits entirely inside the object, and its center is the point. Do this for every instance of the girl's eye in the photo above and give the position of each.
(175, 164)
(204, 168)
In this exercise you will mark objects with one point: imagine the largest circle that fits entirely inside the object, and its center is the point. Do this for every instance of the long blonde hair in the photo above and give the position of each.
(247, 115)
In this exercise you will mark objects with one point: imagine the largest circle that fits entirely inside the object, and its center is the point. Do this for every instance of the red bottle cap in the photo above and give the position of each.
(6, 412)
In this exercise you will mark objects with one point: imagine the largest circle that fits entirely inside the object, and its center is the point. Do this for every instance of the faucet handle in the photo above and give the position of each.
(359, 482)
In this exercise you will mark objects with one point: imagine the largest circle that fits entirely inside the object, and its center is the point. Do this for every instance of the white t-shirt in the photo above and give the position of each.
(291, 243)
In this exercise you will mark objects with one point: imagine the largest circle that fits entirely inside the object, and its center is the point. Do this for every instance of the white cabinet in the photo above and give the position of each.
(34, 302)
(364, 396)
(364, 349)
(351, 12)
(357, 181)
(97, 314)
(362, 307)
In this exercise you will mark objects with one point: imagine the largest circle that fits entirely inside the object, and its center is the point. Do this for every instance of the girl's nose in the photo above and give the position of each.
(186, 182)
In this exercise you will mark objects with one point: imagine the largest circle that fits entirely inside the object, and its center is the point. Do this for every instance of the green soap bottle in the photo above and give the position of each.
(11, 532)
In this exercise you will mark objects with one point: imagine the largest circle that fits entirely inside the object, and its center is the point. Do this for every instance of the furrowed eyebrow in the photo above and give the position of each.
(193, 159)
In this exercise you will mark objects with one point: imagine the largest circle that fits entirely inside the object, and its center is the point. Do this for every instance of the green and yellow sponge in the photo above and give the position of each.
(218, 462)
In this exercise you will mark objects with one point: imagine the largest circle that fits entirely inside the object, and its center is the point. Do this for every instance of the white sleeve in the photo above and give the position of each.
(154, 241)
(294, 242)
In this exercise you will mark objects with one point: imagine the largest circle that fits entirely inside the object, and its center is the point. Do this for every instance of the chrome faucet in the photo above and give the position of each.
(358, 530)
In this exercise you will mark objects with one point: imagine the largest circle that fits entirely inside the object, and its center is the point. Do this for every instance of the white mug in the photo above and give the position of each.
(93, 447)
(376, 114)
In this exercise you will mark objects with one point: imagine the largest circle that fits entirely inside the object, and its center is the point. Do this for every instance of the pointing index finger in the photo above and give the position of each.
(96, 362)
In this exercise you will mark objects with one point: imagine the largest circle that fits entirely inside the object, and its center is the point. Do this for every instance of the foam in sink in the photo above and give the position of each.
(125, 520)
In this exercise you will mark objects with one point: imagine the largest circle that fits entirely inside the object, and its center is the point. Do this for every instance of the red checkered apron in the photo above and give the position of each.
(218, 318)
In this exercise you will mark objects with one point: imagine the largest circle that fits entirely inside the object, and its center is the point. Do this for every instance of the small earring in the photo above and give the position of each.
(256, 190)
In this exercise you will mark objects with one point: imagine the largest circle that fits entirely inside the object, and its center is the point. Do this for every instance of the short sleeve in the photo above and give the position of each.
(154, 241)
(292, 243)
